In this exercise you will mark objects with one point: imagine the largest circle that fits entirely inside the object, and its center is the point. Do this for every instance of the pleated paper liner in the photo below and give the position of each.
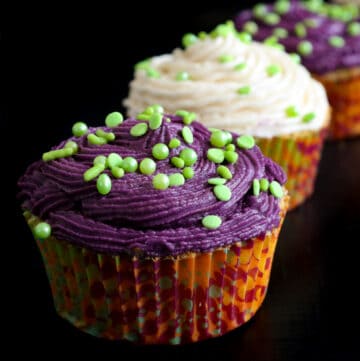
(343, 90)
(299, 156)
(171, 300)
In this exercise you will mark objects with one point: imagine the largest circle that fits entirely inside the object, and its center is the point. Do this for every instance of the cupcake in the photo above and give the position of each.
(233, 83)
(327, 37)
(155, 232)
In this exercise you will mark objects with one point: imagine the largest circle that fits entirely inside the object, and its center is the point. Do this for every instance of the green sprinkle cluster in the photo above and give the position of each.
(188, 117)
(145, 65)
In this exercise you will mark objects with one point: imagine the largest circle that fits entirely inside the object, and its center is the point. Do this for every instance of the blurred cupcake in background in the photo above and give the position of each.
(327, 38)
(233, 83)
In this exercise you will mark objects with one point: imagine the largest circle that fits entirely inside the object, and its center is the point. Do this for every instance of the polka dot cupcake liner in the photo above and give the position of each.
(172, 300)
(299, 156)
(343, 90)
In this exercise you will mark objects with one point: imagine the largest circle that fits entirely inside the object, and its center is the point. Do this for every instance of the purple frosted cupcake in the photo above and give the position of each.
(327, 38)
(155, 230)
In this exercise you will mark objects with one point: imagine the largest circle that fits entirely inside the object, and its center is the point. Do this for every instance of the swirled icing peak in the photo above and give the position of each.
(232, 83)
(326, 36)
(169, 188)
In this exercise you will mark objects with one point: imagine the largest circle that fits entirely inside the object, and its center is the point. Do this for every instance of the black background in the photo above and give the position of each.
(65, 66)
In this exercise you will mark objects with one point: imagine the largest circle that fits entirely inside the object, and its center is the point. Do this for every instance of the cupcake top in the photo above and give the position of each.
(326, 36)
(156, 186)
(234, 83)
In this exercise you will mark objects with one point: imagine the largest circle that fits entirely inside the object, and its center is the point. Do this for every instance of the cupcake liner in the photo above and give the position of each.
(171, 300)
(343, 90)
(299, 156)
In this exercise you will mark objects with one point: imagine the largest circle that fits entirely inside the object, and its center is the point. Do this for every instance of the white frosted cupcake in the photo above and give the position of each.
(233, 83)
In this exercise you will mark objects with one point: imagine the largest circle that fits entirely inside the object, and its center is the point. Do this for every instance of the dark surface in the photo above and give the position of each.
(311, 305)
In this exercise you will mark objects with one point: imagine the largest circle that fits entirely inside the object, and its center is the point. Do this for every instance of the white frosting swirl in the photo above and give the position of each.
(212, 93)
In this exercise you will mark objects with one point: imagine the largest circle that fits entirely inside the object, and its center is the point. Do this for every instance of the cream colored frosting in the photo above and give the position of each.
(212, 89)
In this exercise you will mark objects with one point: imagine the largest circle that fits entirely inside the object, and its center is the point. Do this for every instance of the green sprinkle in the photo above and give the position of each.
(271, 41)
(187, 135)
(176, 179)
(177, 162)
(161, 181)
(223, 30)
(202, 35)
(282, 6)
(256, 187)
(353, 29)
(226, 58)
(108, 136)
(147, 166)
(189, 156)
(189, 39)
(276, 189)
(305, 47)
(72, 145)
(280, 33)
(93, 172)
(188, 117)
(291, 111)
(230, 147)
(103, 184)
(336, 41)
(129, 164)
(308, 117)
(117, 172)
(215, 155)
(271, 18)
(244, 37)
(143, 116)
(42, 230)
(100, 159)
(174, 143)
(113, 119)
(259, 10)
(95, 140)
(245, 141)
(211, 222)
(231, 156)
(152, 73)
(264, 184)
(240, 66)
(311, 23)
(79, 129)
(295, 58)
(139, 129)
(218, 138)
(156, 108)
(142, 65)
(222, 192)
(224, 172)
(244, 90)
(114, 160)
(155, 121)
(273, 69)
(229, 136)
(182, 75)
(216, 181)
(251, 27)
(300, 30)
(188, 173)
(160, 151)
(57, 154)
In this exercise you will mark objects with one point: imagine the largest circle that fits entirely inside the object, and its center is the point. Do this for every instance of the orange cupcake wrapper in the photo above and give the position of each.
(170, 300)
(299, 156)
(343, 90)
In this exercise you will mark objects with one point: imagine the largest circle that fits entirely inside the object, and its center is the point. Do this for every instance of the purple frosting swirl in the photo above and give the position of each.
(136, 218)
(324, 57)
